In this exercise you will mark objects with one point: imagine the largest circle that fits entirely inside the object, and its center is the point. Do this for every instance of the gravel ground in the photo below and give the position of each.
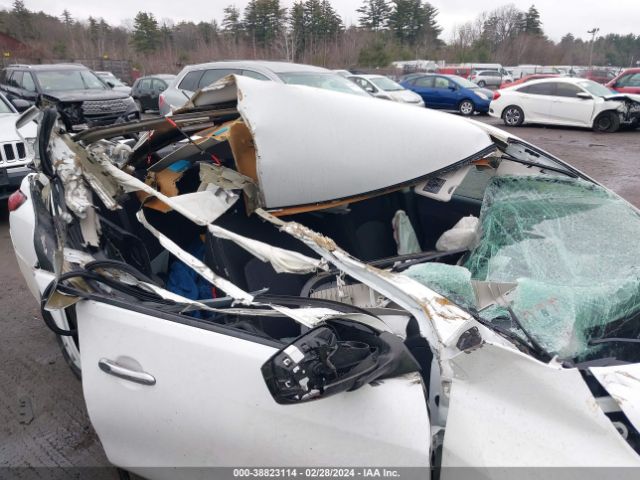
(35, 381)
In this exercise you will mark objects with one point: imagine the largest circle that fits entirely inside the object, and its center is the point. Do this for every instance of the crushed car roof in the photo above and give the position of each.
(329, 146)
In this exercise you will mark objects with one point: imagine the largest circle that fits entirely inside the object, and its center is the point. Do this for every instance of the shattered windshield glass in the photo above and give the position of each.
(571, 247)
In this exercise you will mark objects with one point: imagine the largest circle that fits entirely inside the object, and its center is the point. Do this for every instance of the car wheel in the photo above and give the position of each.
(466, 107)
(139, 105)
(513, 116)
(482, 84)
(607, 122)
(68, 344)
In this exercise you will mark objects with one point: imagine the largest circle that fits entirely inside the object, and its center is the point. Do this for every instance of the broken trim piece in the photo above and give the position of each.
(199, 267)
(439, 319)
(205, 210)
(282, 260)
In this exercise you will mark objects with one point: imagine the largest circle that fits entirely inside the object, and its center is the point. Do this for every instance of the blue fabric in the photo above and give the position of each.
(184, 281)
(180, 166)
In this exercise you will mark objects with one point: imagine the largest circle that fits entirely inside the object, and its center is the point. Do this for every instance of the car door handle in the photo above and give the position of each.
(112, 368)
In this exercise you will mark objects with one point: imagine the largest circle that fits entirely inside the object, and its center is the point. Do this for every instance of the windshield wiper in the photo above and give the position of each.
(614, 339)
(534, 343)
(529, 163)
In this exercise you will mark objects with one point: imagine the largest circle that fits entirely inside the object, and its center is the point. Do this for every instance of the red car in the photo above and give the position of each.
(527, 78)
(599, 75)
(627, 82)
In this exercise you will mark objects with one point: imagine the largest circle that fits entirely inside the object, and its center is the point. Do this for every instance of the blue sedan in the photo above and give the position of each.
(450, 92)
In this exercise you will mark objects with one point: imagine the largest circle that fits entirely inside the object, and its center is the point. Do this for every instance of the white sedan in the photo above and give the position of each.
(383, 87)
(566, 101)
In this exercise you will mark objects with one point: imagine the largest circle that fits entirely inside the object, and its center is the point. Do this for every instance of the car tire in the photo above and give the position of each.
(513, 116)
(68, 344)
(466, 108)
(482, 84)
(607, 122)
(139, 105)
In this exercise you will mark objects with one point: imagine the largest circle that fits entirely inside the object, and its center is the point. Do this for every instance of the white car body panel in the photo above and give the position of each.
(499, 390)
(622, 382)
(573, 111)
(301, 161)
(211, 407)
(21, 227)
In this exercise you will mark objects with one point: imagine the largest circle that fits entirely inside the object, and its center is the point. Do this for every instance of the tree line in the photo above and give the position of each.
(310, 31)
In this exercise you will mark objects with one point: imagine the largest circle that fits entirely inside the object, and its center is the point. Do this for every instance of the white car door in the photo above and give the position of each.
(535, 100)
(163, 390)
(570, 109)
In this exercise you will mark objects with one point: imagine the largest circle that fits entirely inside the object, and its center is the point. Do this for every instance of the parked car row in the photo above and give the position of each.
(194, 77)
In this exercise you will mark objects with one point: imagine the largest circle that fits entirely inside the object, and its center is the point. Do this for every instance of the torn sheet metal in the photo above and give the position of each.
(539, 415)
(229, 179)
(76, 194)
(222, 91)
(199, 267)
(224, 177)
(90, 228)
(310, 163)
(283, 261)
(622, 382)
(309, 317)
(439, 318)
(201, 208)
(77, 257)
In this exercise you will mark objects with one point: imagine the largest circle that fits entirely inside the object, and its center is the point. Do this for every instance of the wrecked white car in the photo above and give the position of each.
(261, 280)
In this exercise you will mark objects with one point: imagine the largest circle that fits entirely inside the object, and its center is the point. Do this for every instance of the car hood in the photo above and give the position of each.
(122, 89)
(634, 97)
(82, 95)
(406, 96)
(313, 167)
(8, 132)
(486, 91)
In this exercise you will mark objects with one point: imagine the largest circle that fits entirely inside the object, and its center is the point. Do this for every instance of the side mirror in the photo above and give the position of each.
(584, 96)
(341, 356)
(110, 83)
(453, 88)
(21, 104)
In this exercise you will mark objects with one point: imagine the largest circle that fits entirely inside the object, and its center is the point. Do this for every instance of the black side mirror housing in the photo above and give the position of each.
(341, 356)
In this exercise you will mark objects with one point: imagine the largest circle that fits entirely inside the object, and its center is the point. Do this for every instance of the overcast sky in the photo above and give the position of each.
(558, 16)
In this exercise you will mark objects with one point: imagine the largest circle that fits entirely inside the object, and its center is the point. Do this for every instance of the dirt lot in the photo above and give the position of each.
(54, 430)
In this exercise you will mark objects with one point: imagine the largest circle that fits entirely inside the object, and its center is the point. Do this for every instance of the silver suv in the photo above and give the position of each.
(489, 78)
(193, 77)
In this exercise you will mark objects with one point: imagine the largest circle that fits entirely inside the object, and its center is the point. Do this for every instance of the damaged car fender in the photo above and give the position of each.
(496, 389)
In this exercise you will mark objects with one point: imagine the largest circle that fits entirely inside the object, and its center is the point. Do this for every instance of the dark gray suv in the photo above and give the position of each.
(81, 97)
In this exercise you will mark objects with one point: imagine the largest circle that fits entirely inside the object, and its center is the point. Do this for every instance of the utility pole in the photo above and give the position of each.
(593, 33)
